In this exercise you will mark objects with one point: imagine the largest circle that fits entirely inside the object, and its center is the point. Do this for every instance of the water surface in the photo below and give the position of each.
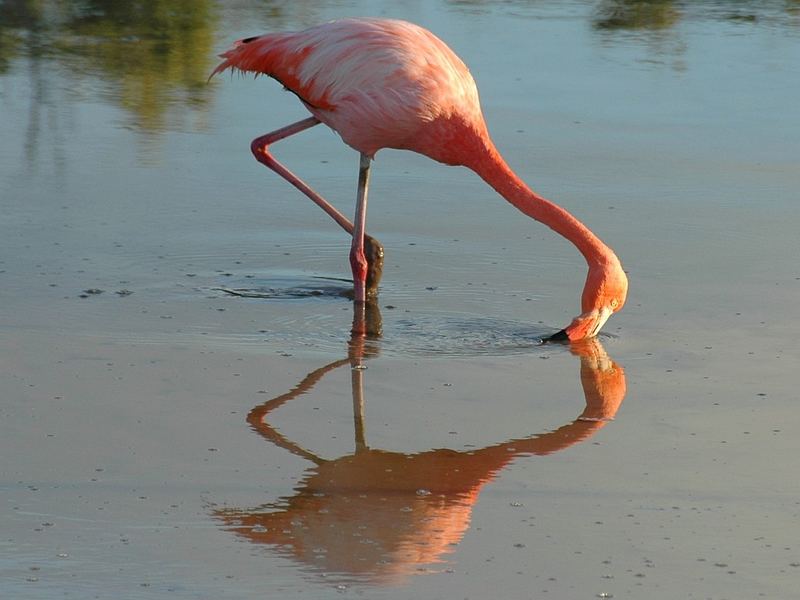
(163, 438)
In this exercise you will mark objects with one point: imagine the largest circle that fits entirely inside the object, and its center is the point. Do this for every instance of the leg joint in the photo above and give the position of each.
(259, 147)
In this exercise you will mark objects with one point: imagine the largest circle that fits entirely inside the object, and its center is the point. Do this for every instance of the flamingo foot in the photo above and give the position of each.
(374, 253)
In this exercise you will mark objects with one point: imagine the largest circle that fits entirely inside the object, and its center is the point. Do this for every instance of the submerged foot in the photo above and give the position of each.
(374, 253)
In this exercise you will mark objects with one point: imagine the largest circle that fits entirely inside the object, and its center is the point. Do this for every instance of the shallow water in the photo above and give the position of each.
(164, 438)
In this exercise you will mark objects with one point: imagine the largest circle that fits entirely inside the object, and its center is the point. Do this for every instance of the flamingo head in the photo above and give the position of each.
(604, 294)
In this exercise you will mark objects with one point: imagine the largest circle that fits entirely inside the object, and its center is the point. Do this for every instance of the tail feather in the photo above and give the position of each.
(275, 55)
(249, 54)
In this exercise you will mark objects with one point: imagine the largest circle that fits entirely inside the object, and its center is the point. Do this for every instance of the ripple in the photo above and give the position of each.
(310, 317)
(290, 288)
(448, 335)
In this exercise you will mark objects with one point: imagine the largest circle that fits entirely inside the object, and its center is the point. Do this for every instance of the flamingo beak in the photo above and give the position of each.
(585, 326)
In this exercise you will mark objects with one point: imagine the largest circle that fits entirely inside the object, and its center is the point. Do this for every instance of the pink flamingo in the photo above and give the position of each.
(384, 83)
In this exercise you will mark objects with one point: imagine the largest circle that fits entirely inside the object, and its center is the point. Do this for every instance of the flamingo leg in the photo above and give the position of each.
(358, 261)
(371, 250)
(260, 149)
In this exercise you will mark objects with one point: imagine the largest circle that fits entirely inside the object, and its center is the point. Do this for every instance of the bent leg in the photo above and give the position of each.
(260, 149)
(366, 256)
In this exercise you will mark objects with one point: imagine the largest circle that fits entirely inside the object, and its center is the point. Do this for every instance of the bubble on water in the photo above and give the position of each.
(423, 492)
(259, 529)
(406, 509)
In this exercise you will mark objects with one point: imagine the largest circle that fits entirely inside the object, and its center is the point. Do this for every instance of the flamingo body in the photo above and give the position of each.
(384, 83)
(379, 83)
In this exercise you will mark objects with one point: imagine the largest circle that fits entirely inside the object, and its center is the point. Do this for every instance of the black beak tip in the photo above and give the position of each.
(559, 336)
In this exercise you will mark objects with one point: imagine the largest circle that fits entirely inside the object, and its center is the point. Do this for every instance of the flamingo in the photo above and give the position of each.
(385, 83)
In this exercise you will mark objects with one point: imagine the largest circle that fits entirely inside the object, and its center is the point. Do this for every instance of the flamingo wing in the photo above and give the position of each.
(375, 81)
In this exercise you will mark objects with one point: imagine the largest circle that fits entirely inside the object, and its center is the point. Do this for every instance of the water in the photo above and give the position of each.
(164, 438)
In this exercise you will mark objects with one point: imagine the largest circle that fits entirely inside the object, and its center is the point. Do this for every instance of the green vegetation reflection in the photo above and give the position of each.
(158, 52)
(150, 55)
(636, 14)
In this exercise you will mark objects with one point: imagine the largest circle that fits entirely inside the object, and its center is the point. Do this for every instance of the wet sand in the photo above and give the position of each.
(164, 439)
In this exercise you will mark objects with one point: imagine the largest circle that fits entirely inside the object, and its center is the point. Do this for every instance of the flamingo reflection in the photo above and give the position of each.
(377, 516)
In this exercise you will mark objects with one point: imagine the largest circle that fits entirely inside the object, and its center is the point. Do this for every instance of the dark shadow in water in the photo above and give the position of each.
(375, 517)
(293, 288)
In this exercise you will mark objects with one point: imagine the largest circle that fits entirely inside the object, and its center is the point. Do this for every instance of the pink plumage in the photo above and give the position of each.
(377, 82)
(384, 83)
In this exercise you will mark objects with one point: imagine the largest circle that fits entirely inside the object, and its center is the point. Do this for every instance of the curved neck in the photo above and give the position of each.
(494, 170)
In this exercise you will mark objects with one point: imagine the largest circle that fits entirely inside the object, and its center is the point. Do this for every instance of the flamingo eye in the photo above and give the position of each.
(614, 303)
